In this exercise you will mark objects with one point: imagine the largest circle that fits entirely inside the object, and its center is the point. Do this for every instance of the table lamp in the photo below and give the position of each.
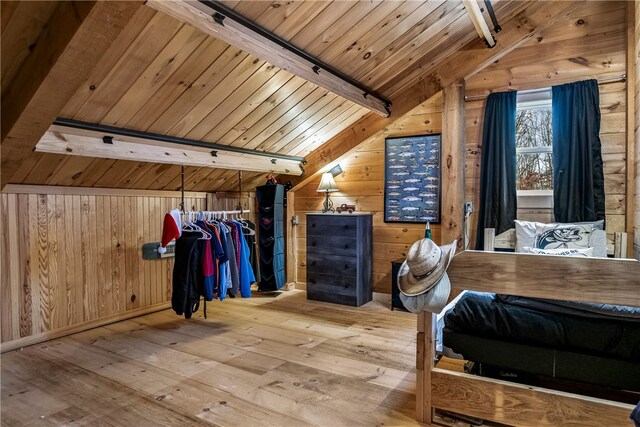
(328, 185)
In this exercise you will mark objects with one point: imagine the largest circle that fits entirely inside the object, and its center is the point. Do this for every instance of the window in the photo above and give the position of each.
(534, 166)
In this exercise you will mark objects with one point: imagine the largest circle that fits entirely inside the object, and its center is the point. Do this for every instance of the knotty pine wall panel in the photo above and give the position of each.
(362, 184)
(75, 256)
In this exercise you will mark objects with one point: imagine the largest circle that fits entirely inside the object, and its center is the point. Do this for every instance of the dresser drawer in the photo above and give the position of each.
(339, 265)
(331, 225)
(331, 245)
(331, 284)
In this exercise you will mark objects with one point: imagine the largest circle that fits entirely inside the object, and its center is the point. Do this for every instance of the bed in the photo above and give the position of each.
(608, 281)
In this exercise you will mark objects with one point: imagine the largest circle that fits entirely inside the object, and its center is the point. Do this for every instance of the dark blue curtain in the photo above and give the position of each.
(498, 169)
(578, 177)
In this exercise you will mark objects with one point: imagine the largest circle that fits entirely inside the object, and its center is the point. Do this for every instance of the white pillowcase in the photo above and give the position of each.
(587, 252)
(528, 232)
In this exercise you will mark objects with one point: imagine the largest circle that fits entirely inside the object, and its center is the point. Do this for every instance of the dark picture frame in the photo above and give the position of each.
(412, 173)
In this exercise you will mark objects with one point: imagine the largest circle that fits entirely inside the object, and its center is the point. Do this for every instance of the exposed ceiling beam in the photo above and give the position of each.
(223, 23)
(474, 12)
(75, 39)
(463, 64)
(67, 140)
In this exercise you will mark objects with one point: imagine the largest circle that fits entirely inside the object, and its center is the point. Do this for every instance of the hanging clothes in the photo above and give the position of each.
(186, 288)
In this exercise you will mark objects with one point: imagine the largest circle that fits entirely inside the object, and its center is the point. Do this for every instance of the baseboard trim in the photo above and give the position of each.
(81, 327)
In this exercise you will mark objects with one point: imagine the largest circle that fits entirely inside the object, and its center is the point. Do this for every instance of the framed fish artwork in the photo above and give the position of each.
(412, 179)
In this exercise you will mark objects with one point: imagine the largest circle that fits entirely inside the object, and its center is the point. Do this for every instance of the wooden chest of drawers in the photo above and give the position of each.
(339, 258)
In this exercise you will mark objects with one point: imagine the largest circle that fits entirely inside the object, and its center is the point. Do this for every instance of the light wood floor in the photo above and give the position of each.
(263, 361)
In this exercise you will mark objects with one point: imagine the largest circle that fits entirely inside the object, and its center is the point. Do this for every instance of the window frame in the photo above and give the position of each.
(539, 98)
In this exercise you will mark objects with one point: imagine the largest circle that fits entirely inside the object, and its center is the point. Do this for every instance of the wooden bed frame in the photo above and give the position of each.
(612, 281)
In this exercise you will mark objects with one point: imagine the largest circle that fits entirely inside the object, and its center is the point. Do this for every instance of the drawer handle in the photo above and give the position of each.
(313, 282)
(313, 224)
(313, 263)
(347, 285)
(346, 266)
(313, 243)
(346, 246)
(346, 227)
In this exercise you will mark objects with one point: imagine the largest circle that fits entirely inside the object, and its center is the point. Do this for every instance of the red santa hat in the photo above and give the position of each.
(171, 229)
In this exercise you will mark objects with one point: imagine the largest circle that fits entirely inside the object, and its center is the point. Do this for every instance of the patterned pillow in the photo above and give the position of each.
(527, 235)
(563, 236)
(588, 252)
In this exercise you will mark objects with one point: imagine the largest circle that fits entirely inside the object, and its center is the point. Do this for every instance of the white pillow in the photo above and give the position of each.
(563, 236)
(588, 252)
(526, 233)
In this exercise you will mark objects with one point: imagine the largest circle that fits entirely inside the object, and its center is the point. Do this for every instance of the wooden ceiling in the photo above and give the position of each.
(163, 76)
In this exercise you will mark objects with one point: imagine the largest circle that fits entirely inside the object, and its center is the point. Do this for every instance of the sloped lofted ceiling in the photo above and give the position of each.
(164, 76)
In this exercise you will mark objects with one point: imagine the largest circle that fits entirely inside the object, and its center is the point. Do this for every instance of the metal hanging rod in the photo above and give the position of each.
(605, 80)
(60, 121)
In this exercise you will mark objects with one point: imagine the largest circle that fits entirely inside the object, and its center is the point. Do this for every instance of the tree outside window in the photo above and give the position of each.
(534, 161)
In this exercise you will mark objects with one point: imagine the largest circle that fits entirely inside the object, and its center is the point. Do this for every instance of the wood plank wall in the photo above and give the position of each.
(362, 184)
(589, 43)
(73, 256)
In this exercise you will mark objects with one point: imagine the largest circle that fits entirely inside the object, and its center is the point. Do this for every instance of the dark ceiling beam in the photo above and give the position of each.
(221, 22)
(468, 61)
(72, 44)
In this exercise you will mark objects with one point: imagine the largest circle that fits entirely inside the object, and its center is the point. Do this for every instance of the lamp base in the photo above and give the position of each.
(327, 206)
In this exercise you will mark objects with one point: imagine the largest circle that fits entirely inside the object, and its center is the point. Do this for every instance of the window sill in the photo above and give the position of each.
(535, 193)
(535, 199)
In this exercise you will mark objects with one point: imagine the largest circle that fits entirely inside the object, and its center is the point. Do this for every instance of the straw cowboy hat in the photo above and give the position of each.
(422, 279)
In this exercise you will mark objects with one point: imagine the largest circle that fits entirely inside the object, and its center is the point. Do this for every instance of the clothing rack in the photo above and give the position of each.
(217, 213)
(604, 80)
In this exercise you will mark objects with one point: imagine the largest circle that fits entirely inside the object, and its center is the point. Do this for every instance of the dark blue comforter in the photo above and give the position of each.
(518, 320)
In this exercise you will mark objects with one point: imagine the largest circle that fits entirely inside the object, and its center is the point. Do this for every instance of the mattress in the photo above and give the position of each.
(490, 316)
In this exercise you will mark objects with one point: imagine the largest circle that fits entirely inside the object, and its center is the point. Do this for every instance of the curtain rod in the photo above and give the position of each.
(605, 80)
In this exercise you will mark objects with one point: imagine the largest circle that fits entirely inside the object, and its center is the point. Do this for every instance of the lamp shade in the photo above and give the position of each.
(327, 184)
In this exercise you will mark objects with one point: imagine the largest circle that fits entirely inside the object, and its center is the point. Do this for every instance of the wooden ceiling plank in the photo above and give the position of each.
(96, 169)
(440, 52)
(148, 45)
(295, 20)
(266, 79)
(257, 134)
(253, 110)
(281, 101)
(158, 177)
(220, 68)
(155, 76)
(154, 175)
(388, 30)
(54, 70)
(200, 15)
(528, 24)
(7, 10)
(69, 171)
(44, 169)
(22, 25)
(360, 32)
(403, 33)
(207, 183)
(292, 119)
(180, 82)
(298, 126)
(592, 18)
(115, 172)
(179, 118)
(408, 49)
(332, 25)
(328, 129)
(117, 49)
(246, 78)
(306, 136)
